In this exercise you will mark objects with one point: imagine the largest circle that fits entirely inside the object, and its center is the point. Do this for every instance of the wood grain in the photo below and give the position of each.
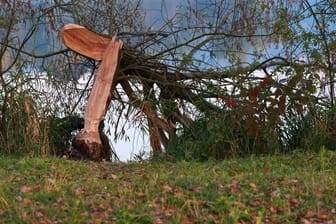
(84, 41)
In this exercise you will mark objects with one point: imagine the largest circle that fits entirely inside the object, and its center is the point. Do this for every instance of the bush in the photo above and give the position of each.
(222, 136)
(264, 117)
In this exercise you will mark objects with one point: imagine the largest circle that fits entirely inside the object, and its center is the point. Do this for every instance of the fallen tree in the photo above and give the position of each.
(165, 95)
(198, 64)
(87, 143)
(162, 127)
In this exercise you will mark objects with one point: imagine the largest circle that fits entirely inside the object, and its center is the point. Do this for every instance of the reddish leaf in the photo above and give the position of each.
(265, 81)
(230, 102)
(294, 202)
(195, 189)
(255, 188)
(319, 193)
(78, 191)
(36, 189)
(234, 186)
(142, 196)
(158, 221)
(310, 214)
(46, 221)
(168, 211)
(26, 201)
(113, 177)
(11, 177)
(272, 209)
(266, 170)
(179, 194)
(167, 187)
(255, 93)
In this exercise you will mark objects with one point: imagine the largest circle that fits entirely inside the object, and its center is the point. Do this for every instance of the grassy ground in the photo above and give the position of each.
(280, 189)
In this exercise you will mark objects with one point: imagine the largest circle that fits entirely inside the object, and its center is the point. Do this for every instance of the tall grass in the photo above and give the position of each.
(312, 130)
(24, 130)
(30, 107)
(222, 136)
(227, 134)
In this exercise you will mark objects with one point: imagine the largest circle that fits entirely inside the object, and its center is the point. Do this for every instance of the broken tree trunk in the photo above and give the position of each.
(87, 143)
(134, 64)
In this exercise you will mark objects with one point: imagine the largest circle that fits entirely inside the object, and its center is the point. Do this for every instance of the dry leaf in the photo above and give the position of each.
(26, 201)
(234, 186)
(24, 189)
(255, 188)
(167, 187)
(78, 191)
(114, 177)
(158, 221)
(36, 189)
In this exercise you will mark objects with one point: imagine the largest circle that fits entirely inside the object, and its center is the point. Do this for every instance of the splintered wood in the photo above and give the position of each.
(87, 143)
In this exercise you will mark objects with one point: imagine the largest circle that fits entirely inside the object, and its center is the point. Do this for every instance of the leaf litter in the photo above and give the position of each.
(278, 189)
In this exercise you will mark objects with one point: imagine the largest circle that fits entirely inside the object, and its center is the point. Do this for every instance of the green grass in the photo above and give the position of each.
(299, 188)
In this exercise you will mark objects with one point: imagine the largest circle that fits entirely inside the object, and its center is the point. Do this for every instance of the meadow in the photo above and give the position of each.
(295, 188)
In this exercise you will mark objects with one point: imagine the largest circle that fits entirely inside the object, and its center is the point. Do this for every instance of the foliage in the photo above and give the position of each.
(264, 116)
(296, 188)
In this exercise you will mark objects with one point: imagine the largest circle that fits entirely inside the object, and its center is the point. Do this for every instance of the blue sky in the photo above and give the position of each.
(157, 10)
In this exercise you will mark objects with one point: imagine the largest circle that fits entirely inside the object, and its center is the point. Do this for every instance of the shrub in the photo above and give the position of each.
(222, 136)
(265, 116)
